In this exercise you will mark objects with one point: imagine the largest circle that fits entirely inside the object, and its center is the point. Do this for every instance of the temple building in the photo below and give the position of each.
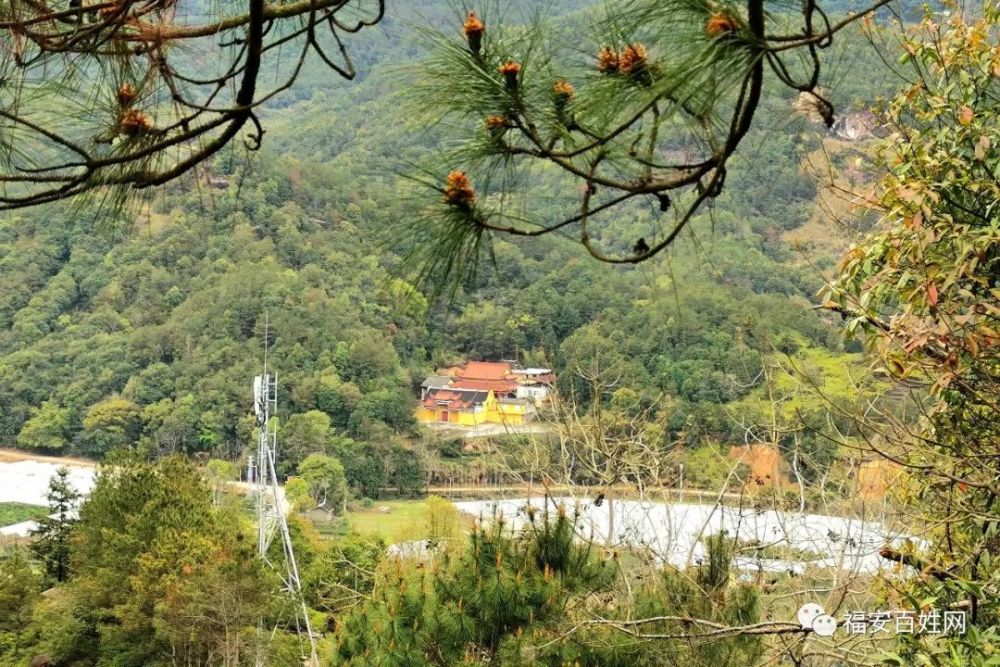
(483, 392)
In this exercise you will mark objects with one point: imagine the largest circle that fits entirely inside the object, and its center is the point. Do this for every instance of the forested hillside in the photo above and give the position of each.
(151, 326)
(773, 438)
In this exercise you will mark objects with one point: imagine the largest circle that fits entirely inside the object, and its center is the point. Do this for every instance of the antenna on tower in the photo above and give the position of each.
(272, 506)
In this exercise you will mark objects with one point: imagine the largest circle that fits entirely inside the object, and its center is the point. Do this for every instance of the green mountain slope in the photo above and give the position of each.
(152, 331)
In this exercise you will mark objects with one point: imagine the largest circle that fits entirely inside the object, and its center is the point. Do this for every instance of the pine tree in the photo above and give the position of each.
(603, 120)
(52, 537)
(128, 57)
(543, 596)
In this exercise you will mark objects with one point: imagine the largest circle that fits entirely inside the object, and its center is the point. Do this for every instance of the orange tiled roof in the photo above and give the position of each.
(499, 386)
(486, 370)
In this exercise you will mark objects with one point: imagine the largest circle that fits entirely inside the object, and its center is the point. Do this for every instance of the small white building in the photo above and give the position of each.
(534, 383)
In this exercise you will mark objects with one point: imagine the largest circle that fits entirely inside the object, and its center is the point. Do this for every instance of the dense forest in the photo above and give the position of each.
(150, 326)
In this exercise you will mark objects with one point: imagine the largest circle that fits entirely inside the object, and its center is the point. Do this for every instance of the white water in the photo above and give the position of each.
(673, 533)
(28, 481)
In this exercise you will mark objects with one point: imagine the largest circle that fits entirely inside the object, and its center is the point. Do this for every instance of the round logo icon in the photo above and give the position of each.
(824, 625)
(808, 614)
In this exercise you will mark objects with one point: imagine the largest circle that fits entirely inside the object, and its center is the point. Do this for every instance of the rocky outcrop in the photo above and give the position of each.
(854, 126)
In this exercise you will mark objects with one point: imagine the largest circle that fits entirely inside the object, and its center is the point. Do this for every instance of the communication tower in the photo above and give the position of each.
(272, 506)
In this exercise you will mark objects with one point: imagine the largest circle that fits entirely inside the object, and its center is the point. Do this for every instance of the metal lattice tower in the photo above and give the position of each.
(272, 506)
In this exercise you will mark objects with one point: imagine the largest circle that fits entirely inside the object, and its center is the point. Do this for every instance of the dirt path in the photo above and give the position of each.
(620, 492)
(8, 455)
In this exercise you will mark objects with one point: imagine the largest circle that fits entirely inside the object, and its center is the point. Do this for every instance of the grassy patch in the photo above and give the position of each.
(392, 520)
(11, 513)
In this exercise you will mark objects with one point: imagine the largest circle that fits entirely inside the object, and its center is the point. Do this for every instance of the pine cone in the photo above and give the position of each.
(633, 59)
(134, 123)
(497, 125)
(474, 29)
(458, 191)
(127, 94)
(607, 60)
(511, 70)
(562, 93)
(721, 24)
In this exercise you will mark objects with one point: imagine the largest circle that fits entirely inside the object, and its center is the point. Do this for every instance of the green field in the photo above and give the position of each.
(11, 513)
(392, 520)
